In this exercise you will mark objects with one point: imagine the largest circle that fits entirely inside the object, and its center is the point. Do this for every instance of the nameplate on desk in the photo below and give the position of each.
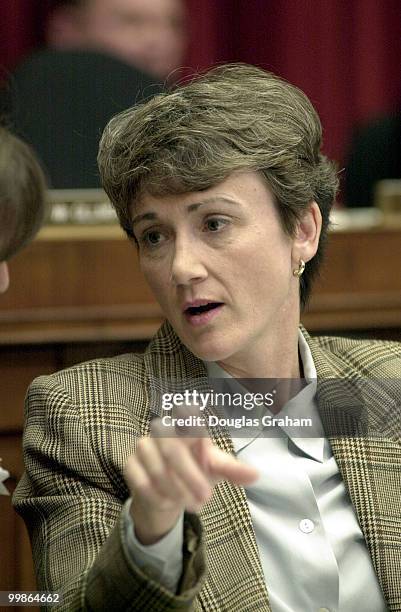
(80, 207)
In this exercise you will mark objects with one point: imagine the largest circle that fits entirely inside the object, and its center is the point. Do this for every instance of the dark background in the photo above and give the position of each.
(345, 54)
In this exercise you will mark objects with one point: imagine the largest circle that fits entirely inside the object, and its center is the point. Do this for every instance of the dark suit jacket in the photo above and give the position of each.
(82, 424)
(60, 102)
(374, 155)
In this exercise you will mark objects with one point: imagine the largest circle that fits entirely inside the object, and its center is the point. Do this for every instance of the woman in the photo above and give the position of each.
(222, 185)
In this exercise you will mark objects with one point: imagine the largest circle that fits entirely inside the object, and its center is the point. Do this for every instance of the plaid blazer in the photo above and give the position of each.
(82, 424)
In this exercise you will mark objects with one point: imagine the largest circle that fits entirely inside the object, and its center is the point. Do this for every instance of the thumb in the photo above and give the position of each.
(222, 466)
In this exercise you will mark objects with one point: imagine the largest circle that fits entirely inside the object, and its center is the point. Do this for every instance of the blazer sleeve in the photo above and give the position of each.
(75, 520)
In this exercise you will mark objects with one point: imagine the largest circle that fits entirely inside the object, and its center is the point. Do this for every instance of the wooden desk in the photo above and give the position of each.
(77, 293)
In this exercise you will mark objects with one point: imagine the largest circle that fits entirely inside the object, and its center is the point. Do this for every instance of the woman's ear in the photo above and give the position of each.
(307, 234)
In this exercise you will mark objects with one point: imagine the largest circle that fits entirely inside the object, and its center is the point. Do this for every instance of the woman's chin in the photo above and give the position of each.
(208, 351)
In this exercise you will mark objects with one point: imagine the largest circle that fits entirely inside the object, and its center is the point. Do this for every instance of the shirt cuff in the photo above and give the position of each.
(162, 561)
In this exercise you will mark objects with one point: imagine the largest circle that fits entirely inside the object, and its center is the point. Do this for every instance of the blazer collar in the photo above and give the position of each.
(351, 403)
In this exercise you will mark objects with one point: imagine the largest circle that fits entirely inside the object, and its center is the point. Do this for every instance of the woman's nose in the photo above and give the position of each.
(4, 277)
(187, 267)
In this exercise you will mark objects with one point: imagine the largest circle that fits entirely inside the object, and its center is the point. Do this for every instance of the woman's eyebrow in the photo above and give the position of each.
(211, 200)
(152, 216)
(148, 216)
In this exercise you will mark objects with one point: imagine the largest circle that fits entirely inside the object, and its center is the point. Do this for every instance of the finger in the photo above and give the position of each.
(180, 459)
(161, 474)
(187, 499)
(201, 450)
(151, 461)
(226, 467)
(139, 483)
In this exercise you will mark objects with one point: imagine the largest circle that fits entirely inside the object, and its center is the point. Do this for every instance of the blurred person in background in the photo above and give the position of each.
(22, 199)
(22, 210)
(147, 34)
(374, 155)
(102, 56)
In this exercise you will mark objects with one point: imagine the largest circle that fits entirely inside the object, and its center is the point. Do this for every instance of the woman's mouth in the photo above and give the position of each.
(202, 313)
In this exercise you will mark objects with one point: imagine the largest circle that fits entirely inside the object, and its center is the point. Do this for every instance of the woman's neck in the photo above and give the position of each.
(278, 358)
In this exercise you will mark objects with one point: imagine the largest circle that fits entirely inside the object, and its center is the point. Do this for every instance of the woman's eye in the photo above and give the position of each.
(152, 238)
(214, 224)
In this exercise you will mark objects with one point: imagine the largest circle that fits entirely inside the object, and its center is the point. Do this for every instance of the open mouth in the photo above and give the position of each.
(202, 314)
(196, 310)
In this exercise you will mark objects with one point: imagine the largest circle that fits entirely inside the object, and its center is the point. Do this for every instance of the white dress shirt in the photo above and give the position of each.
(311, 547)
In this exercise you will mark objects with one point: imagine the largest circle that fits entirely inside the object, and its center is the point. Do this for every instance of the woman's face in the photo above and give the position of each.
(221, 266)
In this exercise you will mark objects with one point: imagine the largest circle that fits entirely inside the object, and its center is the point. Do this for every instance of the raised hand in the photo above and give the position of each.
(168, 475)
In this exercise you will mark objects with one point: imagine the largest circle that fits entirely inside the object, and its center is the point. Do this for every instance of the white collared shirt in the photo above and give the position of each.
(311, 547)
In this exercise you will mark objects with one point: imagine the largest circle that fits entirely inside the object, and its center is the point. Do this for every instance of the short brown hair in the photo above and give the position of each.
(22, 194)
(234, 117)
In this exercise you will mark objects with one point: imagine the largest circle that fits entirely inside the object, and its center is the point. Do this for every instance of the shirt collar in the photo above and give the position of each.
(303, 405)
